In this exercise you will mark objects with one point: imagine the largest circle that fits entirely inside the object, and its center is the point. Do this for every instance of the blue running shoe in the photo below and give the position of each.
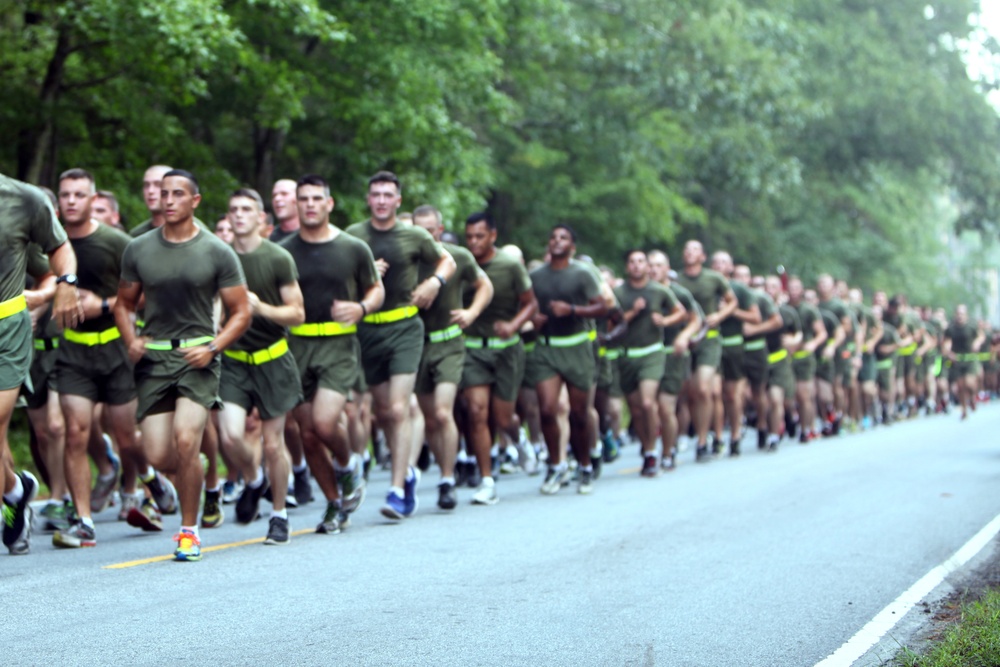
(410, 493)
(394, 508)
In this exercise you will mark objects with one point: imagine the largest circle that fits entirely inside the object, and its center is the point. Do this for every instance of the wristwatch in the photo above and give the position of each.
(68, 278)
(213, 348)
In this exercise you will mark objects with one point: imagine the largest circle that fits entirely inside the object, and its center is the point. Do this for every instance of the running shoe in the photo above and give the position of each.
(212, 515)
(486, 494)
(231, 491)
(473, 478)
(54, 514)
(301, 487)
(188, 546)
(610, 445)
(330, 525)
(146, 516)
(596, 462)
(717, 445)
(424, 458)
(668, 463)
(394, 508)
(352, 485)
(100, 495)
(586, 482)
(344, 519)
(17, 517)
(78, 535)
(410, 501)
(649, 466)
(447, 499)
(164, 493)
(552, 482)
(129, 501)
(702, 455)
(277, 531)
(249, 502)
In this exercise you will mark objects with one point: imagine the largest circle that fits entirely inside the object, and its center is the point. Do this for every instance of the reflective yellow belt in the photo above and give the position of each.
(614, 353)
(178, 343)
(884, 364)
(802, 354)
(442, 335)
(317, 329)
(259, 357)
(13, 306)
(46, 344)
(390, 316)
(712, 333)
(971, 356)
(731, 341)
(908, 350)
(592, 335)
(754, 345)
(479, 342)
(775, 357)
(92, 338)
(566, 341)
(602, 351)
(638, 352)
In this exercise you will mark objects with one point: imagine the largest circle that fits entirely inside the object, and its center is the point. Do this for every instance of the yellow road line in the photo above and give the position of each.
(630, 471)
(215, 547)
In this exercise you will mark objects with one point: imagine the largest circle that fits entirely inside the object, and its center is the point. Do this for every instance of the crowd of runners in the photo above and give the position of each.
(299, 353)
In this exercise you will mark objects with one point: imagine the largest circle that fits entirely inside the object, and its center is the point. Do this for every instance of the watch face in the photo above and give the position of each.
(69, 279)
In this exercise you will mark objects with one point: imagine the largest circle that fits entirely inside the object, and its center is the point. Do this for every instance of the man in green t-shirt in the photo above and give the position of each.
(648, 307)
(814, 337)
(340, 284)
(712, 292)
(841, 352)
(568, 294)
(494, 355)
(285, 208)
(92, 365)
(180, 269)
(781, 343)
(392, 340)
(444, 353)
(258, 371)
(755, 354)
(26, 217)
(152, 183)
(962, 342)
(885, 350)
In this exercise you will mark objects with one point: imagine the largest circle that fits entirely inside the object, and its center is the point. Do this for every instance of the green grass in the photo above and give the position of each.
(973, 641)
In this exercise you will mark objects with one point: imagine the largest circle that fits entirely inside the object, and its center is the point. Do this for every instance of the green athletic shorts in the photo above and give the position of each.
(824, 369)
(886, 377)
(906, 366)
(676, 369)
(573, 364)
(273, 388)
(501, 369)
(960, 369)
(638, 369)
(868, 371)
(708, 352)
(162, 376)
(844, 371)
(391, 349)
(755, 367)
(329, 362)
(732, 362)
(43, 376)
(804, 368)
(16, 350)
(441, 363)
(605, 373)
(779, 374)
(530, 376)
(99, 373)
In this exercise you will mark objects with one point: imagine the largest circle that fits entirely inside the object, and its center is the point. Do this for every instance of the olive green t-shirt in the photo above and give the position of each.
(147, 226)
(890, 335)
(38, 266)
(467, 272)
(510, 280)
(405, 248)
(686, 299)
(341, 269)
(98, 268)
(708, 288)
(808, 314)
(26, 216)
(767, 309)
(732, 325)
(180, 281)
(268, 268)
(790, 325)
(840, 311)
(962, 337)
(576, 285)
(641, 331)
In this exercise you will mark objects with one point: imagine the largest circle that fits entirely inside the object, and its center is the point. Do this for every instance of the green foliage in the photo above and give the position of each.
(974, 640)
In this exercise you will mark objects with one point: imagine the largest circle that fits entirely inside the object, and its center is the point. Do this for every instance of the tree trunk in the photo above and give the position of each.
(39, 141)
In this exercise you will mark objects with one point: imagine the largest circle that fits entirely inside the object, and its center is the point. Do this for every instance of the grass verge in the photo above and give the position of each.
(973, 640)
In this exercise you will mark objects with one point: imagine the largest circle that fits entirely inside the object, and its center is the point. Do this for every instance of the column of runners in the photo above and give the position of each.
(284, 355)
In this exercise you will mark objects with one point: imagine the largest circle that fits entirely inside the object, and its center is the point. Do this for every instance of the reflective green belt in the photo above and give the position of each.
(938, 362)
(908, 350)
(317, 329)
(529, 347)
(259, 357)
(885, 364)
(712, 333)
(639, 352)
(92, 338)
(971, 356)
(389, 316)
(592, 335)
(754, 345)
(732, 341)
(984, 356)
(669, 349)
(442, 335)
(849, 347)
(566, 341)
(13, 306)
(479, 342)
(602, 351)
(178, 343)
(614, 353)
(802, 354)
(775, 357)
(46, 344)
(140, 324)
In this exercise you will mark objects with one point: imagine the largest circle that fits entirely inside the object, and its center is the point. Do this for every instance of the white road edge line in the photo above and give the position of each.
(884, 621)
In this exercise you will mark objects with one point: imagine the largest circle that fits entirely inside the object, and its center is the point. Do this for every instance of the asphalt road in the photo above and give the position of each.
(770, 559)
